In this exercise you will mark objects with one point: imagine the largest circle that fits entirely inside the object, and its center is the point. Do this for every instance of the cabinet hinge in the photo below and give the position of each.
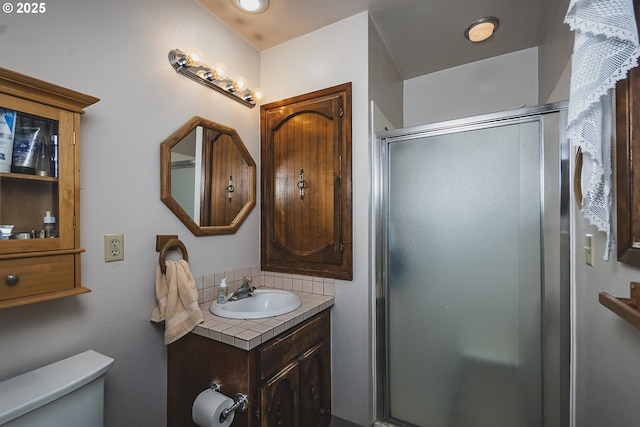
(74, 222)
(74, 138)
(341, 246)
(340, 167)
(341, 112)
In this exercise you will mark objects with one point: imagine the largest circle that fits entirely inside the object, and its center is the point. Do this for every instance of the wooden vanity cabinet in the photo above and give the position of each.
(40, 269)
(306, 197)
(287, 379)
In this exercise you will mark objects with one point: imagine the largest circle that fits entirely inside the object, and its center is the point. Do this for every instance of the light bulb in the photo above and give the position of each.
(258, 94)
(240, 84)
(194, 57)
(205, 74)
(219, 71)
(481, 32)
(481, 29)
(249, 5)
(226, 85)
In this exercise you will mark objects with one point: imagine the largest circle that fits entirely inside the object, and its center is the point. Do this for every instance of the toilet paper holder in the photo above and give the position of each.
(241, 403)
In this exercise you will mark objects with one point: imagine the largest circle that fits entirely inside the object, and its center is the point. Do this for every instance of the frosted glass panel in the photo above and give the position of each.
(464, 283)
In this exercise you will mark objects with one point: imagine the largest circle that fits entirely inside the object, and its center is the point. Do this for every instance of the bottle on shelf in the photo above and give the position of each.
(43, 162)
(49, 225)
(53, 168)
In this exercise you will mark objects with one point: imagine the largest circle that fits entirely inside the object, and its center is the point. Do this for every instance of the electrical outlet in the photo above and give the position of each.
(113, 247)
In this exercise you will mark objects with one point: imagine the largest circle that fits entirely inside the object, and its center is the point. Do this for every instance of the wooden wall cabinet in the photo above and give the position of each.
(628, 163)
(40, 269)
(306, 184)
(287, 380)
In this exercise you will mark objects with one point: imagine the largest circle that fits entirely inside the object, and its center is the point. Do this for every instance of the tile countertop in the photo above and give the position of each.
(249, 333)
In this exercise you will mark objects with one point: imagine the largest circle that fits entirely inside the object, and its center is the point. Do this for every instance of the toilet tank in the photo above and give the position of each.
(68, 393)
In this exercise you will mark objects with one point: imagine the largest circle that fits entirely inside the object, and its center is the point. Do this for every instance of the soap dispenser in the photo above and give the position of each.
(223, 291)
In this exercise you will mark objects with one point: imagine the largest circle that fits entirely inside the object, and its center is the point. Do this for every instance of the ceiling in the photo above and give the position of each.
(422, 36)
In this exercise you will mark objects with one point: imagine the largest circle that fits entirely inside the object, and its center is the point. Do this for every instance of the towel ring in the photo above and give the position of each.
(172, 244)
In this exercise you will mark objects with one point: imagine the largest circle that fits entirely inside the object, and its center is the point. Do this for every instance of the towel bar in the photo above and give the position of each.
(627, 308)
(171, 244)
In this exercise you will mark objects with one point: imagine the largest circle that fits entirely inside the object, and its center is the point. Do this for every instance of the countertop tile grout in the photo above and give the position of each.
(247, 334)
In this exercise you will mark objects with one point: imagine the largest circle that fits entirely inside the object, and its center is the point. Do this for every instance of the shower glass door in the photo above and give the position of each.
(464, 278)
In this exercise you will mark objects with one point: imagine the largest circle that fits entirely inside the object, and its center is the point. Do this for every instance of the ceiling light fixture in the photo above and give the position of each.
(481, 29)
(190, 65)
(251, 6)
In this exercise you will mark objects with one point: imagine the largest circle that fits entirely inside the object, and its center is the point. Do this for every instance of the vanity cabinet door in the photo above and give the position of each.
(279, 399)
(306, 184)
(315, 386)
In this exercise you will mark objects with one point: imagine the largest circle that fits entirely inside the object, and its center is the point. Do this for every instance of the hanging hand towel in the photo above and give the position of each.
(605, 49)
(177, 300)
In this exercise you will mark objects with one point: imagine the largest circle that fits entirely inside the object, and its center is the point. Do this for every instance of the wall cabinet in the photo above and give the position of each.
(39, 172)
(628, 164)
(287, 379)
(306, 184)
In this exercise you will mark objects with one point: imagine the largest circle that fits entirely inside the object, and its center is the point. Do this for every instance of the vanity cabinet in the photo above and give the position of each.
(306, 184)
(287, 379)
(39, 261)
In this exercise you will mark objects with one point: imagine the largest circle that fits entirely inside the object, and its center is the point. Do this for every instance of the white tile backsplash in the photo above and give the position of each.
(207, 284)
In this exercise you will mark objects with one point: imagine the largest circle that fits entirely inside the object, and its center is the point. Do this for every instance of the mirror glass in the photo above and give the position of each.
(208, 177)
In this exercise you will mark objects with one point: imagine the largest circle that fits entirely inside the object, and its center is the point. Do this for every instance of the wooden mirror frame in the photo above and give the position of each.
(165, 178)
(628, 167)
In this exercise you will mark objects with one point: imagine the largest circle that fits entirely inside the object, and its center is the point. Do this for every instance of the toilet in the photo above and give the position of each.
(67, 393)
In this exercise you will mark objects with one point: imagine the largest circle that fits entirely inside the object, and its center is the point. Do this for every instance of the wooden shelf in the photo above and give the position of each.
(27, 177)
(15, 302)
(627, 308)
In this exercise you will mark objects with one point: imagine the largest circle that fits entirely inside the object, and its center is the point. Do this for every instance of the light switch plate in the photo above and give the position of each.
(588, 249)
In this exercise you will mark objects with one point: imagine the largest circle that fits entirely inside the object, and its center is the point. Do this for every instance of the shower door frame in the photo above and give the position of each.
(378, 248)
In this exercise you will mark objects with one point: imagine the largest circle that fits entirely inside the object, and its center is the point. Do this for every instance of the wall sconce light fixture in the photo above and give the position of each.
(190, 65)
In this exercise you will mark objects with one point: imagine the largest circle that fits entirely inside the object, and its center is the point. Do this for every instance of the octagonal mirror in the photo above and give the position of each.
(207, 177)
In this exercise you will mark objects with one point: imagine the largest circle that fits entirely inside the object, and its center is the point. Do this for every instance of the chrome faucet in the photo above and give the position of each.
(243, 291)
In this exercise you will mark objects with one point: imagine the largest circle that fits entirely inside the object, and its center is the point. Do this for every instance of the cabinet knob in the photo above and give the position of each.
(12, 279)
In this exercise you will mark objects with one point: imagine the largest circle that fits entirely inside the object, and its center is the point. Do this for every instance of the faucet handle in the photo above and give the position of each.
(247, 280)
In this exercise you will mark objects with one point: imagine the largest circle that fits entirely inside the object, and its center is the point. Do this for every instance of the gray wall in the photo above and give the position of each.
(117, 51)
(333, 55)
(554, 49)
(385, 84)
(500, 83)
(607, 349)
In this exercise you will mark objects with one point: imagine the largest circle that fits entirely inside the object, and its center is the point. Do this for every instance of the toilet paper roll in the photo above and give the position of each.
(208, 407)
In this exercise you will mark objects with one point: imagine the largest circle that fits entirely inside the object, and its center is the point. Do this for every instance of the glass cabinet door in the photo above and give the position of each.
(37, 202)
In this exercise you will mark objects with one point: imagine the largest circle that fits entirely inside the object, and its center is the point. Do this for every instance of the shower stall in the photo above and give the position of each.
(472, 267)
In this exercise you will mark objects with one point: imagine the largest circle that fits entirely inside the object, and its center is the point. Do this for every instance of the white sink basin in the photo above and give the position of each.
(262, 303)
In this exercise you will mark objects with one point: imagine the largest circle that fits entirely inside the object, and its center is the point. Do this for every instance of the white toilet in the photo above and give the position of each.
(68, 393)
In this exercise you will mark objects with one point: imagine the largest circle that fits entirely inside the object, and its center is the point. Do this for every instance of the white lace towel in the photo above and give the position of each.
(605, 49)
